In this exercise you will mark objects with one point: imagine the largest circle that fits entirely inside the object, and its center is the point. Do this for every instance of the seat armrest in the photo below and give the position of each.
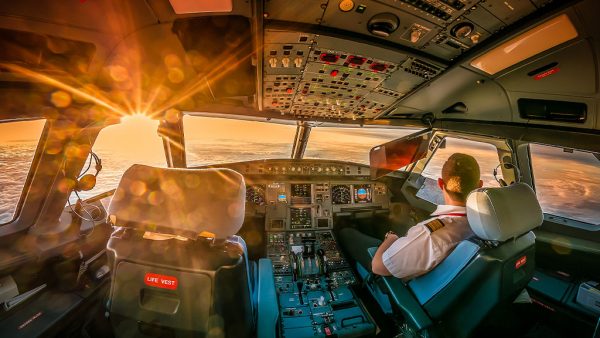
(404, 300)
(372, 251)
(268, 310)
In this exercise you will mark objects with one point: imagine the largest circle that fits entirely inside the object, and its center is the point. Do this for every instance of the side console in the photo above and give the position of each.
(313, 282)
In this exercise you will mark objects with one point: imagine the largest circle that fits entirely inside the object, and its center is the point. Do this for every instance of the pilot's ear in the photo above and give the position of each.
(441, 183)
(480, 183)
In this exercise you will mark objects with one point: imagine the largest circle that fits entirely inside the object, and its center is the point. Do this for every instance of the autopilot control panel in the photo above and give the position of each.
(313, 282)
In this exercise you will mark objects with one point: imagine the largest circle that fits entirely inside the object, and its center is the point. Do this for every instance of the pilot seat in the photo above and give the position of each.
(483, 272)
(177, 267)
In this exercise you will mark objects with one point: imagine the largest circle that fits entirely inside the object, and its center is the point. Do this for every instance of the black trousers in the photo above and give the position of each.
(355, 244)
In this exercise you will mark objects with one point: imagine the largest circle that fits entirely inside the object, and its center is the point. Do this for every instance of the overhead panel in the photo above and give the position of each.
(412, 30)
(442, 28)
(508, 11)
(310, 12)
(310, 76)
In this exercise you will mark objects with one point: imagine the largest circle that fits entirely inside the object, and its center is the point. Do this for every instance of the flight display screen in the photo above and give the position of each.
(363, 193)
(300, 218)
(301, 193)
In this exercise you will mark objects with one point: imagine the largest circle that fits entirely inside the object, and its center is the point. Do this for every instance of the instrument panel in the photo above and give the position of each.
(306, 194)
(296, 205)
(255, 194)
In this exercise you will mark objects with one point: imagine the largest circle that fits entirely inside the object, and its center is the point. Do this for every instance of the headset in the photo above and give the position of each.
(506, 165)
(85, 181)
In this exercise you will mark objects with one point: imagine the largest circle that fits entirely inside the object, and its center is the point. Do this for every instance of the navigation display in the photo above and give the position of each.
(301, 193)
(363, 193)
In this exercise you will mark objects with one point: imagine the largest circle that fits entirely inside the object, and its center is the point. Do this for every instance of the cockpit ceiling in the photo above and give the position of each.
(441, 28)
(324, 60)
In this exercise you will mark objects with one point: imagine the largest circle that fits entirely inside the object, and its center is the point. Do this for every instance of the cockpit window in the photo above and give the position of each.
(210, 140)
(486, 155)
(567, 182)
(18, 142)
(349, 144)
(133, 141)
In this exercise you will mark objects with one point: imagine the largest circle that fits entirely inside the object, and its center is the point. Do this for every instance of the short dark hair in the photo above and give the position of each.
(461, 175)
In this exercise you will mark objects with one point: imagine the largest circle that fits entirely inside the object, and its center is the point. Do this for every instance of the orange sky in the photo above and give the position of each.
(21, 131)
(136, 136)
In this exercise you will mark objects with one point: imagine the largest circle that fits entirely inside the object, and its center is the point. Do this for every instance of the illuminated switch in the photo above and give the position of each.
(285, 62)
(298, 62)
(415, 35)
(334, 73)
(273, 62)
(289, 90)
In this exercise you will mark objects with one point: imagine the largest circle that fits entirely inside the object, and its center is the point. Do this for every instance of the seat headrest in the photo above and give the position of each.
(498, 214)
(180, 201)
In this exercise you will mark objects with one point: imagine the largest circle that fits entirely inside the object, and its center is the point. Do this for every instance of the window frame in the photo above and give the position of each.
(557, 219)
(30, 172)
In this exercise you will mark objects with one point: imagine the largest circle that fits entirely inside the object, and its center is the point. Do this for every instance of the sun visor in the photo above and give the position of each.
(398, 153)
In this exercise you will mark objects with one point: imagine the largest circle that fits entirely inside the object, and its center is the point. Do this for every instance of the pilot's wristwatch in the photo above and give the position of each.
(389, 233)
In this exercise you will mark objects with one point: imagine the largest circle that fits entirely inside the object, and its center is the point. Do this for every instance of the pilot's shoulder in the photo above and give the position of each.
(433, 225)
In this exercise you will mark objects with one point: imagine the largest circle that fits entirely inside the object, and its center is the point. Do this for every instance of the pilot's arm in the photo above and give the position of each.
(405, 257)
(377, 263)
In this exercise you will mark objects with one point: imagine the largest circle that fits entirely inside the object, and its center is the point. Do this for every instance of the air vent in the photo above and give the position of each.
(457, 108)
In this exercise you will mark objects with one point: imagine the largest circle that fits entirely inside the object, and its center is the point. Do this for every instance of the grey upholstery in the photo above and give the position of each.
(498, 214)
(180, 201)
(163, 282)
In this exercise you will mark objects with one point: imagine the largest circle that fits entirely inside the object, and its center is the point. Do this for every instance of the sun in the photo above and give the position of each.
(136, 118)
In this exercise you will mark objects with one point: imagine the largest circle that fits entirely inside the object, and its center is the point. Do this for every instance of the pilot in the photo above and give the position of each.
(429, 242)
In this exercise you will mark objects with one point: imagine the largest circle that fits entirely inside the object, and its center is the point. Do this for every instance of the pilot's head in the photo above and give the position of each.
(460, 175)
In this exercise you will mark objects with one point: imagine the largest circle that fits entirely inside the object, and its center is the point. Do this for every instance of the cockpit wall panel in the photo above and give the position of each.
(484, 99)
(568, 71)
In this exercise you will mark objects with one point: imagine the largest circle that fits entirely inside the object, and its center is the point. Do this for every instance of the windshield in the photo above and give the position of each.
(133, 141)
(213, 140)
(349, 144)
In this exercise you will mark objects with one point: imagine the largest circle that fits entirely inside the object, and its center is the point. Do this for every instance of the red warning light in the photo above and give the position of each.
(378, 67)
(289, 90)
(546, 73)
(356, 60)
(334, 73)
(329, 58)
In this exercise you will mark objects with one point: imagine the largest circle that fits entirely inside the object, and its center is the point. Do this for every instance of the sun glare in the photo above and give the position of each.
(136, 118)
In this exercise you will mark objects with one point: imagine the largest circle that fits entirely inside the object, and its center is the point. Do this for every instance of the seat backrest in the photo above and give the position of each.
(428, 285)
(474, 278)
(178, 201)
(173, 283)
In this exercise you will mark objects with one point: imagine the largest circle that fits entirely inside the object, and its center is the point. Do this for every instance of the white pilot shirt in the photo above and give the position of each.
(421, 250)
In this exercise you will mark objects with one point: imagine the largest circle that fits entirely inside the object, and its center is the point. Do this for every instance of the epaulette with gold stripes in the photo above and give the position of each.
(434, 224)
